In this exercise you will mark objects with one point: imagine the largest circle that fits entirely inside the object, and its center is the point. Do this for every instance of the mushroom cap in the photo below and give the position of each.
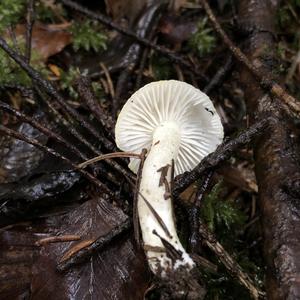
(158, 102)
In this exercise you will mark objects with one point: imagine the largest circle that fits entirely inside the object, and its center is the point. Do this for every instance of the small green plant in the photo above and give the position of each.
(12, 73)
(49, 11)
(10, 12)
(68, 78)
(219, 213)
(88, 36)
(203, 41)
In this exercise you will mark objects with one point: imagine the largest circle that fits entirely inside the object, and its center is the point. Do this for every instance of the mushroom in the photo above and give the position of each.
(178, 125)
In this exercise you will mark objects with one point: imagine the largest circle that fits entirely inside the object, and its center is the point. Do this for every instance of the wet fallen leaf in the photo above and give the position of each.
(117, 272)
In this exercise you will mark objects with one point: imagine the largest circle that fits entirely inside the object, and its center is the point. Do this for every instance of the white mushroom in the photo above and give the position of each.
(175, 122)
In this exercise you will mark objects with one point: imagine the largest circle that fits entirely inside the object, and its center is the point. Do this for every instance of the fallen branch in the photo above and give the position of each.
(29, 26)
(265, 79)
(223, 152)
(231, 265)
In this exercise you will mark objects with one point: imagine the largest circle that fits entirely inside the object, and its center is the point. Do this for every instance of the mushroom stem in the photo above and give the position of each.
(155, 192)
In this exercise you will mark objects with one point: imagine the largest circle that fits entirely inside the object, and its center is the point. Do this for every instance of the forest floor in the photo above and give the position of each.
(66, 70)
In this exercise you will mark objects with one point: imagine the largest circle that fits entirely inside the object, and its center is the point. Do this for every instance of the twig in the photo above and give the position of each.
(57, 239)
(107, 156)
(82, 251)
(157, 216)
(222, 153)
(145, 57)
(13, 37)
(29, 26)
(219, 75)
(62, 120)
(43, 148)
(25, 91)
(84, 88)
(41, 128)
(194, 213)
(265, 79)
(135, 200)
(108, 22)
(109, 81)
(231, 265)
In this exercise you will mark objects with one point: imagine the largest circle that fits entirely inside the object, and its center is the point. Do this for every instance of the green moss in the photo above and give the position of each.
(219, 213)
(68, 78)
(48, 12)
(203, 40)
(88, 36)
(11, 12)
(12, 73)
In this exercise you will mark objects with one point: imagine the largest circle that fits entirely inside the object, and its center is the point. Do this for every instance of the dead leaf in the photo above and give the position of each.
(117, 272)
(47, 40)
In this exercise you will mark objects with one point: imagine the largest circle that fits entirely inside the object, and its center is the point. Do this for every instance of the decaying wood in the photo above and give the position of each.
(276, 156)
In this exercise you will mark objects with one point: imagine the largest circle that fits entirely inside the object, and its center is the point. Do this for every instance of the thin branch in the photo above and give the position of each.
(29, 26)
(57, 239)
(265, 79)
(219, 75)
(135, 200)
(108, 156)
(223, 152)
(84, 88)
(41, 128)
(43, 148)
(194, 213)
(157, 216)
(231, 265)
(80, 252)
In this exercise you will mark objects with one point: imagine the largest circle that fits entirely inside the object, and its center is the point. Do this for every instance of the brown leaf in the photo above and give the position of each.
(117, 272)
(47, 40)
